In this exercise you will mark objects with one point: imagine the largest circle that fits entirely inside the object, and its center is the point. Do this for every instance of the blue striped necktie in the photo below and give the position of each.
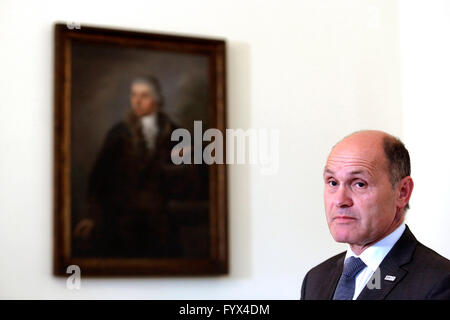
(346, 285)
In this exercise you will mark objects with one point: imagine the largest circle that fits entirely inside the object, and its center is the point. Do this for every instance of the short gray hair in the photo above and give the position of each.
(399, 164)
(153, 83)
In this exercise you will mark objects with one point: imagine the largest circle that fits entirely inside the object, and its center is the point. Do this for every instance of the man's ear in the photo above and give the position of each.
(404, 191)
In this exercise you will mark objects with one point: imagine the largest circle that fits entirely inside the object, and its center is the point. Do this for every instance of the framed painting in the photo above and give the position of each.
(123, 204)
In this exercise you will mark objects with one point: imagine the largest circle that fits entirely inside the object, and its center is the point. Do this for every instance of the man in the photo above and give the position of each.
(367, 190)
(133, 181)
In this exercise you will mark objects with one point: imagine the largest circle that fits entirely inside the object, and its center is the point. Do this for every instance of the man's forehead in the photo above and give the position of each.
(356, 158)
(350, 168)
(141, 86)
(366, 146)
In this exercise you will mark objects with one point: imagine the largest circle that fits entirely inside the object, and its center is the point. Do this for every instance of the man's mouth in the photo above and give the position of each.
(344, 219)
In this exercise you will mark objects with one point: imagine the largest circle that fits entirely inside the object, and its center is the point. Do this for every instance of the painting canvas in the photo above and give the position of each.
(122, 206)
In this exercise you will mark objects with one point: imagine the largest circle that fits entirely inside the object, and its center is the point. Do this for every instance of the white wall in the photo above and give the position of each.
(425, 69)
(314, 70)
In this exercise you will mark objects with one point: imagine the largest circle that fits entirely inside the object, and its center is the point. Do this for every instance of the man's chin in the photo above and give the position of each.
(342, 236)
(340, 239)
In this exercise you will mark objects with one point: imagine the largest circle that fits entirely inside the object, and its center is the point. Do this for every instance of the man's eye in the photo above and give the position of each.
(332, 183)
(360, 184)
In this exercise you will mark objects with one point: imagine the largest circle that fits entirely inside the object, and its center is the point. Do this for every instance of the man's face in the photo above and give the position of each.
(360, 202)
(141, 99)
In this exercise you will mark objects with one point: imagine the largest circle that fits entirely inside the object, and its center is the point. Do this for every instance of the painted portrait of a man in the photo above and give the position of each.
(123, 206)
(133, 182)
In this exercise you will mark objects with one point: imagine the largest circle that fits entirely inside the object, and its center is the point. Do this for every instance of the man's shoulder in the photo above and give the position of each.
(318, 282)
(427, 274)
(327, 265)
(120, 126)
(433, 261)
(165, 120)
(432, 271)
(409, 251)
(119, 129)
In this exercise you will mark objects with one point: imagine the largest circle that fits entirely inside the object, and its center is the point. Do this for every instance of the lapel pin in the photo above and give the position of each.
(389, 278)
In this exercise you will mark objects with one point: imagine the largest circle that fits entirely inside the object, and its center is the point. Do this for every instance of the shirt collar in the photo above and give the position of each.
(374, 255)
(149, 120)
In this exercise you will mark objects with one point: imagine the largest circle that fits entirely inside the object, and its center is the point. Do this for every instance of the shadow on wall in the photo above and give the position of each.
(239, 187)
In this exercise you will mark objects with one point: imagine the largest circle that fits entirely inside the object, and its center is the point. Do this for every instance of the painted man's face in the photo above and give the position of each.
(142, 99)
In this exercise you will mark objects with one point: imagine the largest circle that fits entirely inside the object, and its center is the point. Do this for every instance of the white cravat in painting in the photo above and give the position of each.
(150, 130)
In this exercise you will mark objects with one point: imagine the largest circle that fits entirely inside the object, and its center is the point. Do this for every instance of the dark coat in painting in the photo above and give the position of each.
(132, 189)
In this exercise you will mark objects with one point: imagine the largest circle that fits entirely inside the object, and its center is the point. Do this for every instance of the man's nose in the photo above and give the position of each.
(343, 199)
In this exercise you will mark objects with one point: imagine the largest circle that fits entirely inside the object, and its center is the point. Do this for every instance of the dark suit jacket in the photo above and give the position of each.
(420, 273)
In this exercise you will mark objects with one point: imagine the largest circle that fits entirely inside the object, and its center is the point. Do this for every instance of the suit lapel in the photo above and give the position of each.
(391, 271)
(395, 274)
(328, 287)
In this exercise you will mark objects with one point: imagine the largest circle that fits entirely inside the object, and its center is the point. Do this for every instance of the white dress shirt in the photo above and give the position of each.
(150, 129)
(373, 256)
